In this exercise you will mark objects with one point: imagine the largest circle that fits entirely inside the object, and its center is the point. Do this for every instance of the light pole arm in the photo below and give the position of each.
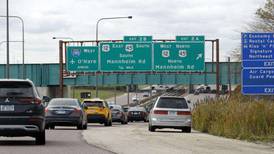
(23, 41)
(97, 23)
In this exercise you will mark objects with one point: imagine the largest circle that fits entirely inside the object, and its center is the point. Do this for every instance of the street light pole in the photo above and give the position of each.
(61, 81)
(23, 43)
(8, 62)
(97, 41)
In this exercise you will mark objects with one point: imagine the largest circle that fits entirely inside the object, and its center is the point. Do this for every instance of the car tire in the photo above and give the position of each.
(151, 128)
(47, 127)
(186, 129)
(40, 139)
(85, 126)
(52, 127)
(110, 123)
(80, 127)
(106, 123)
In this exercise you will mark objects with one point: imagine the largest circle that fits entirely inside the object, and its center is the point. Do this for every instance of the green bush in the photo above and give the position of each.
(241, 117)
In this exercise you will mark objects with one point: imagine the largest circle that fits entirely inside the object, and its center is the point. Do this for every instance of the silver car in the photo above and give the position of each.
(170, 112)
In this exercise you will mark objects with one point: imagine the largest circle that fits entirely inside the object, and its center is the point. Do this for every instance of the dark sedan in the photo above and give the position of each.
(118, 114)
(65, 112)
(137, 114)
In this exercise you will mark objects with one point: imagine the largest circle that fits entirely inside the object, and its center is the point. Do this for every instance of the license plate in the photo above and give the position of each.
(61, 112)
(7, 108)
(172, 113)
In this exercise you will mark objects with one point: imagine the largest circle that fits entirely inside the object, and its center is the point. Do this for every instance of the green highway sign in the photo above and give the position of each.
(137, 38)
(195, 39)
(82, 58)
(126, 56)
(179, 56)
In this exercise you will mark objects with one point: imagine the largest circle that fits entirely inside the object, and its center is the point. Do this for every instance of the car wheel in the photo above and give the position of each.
(110, 123)
(106, 122)
(85, 126)
(187, 129)
(40, 139)
(80, 126)
(47, 127)
(52, 127)
(151, 128)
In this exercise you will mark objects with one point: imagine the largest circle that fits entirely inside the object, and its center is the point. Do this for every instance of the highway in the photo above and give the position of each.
(63, 140)
(135, 138)
(122, 99)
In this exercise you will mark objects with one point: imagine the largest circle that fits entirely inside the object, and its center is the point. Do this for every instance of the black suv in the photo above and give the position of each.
(21, 110)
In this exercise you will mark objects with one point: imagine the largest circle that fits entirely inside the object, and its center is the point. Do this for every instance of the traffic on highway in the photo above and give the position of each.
(136, 77)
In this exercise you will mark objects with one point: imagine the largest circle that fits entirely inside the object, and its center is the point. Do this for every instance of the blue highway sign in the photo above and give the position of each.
(258, 48)
(258, 63)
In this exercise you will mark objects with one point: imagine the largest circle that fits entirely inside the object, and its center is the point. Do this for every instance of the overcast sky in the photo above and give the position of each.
(163, 19)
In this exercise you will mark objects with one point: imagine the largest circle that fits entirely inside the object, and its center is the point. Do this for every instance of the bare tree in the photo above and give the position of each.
(264, 18)
(264, 22)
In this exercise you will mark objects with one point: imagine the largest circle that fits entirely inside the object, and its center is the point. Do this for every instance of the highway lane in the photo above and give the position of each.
(63, 140)
(122, 99)
(135, 138)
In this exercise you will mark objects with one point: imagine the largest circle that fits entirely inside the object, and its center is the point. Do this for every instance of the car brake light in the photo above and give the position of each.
(160, 112)
(37, 101)
(46, 109)
(183, 113)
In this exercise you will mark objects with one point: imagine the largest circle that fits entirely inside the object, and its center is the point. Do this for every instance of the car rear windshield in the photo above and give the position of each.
(137, 109)
(16, 89)
(174, 103)
(63, 102)
(94, 103)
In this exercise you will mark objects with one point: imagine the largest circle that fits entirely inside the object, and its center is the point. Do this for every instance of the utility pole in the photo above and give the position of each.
(8, 62)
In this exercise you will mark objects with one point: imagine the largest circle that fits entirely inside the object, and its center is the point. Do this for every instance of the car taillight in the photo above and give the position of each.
(183, 113)
(46, 109)
(160, 112)
(31, 100)
(77, 109)
(37, 101)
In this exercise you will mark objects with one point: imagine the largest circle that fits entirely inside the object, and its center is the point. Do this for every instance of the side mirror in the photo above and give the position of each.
(189, 102)
(111, 107)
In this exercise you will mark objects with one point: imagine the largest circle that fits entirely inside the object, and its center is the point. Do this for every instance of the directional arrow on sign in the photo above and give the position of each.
(199, 56)
(72, 61)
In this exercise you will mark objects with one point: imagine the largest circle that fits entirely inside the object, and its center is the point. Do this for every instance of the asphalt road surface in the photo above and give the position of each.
(122, 99)
(135, 138)
(59, 141)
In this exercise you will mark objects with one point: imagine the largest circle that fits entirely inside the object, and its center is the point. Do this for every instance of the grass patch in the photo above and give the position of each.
(239, 117)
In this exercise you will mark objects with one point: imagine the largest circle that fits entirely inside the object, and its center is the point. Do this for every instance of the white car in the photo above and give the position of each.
(170, 112)
(135, 98)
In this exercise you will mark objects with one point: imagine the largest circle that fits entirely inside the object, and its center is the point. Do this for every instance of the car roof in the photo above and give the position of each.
(94, 99)
(64, 98)
(19, 80)
(171, 97)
